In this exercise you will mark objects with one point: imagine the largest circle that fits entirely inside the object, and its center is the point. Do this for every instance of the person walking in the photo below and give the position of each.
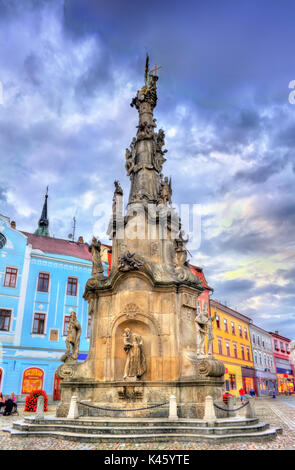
(242, 394)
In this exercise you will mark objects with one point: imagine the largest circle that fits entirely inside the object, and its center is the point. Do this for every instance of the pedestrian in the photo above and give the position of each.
(13, 398)
(2, 402)
(242, 394)
(8, 407)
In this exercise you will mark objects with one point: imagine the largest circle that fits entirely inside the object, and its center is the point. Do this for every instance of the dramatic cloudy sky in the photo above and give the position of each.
(69, 69)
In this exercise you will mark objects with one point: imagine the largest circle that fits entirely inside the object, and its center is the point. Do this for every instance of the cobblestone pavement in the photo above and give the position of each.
(278, 413)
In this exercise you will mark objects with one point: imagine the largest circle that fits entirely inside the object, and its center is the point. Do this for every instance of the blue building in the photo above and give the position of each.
(42, 280)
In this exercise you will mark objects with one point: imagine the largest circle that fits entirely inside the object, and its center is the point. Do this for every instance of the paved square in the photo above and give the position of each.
(278, 412)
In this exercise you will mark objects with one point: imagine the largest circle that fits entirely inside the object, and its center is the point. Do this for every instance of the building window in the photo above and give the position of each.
(248, 355)
(217, 321)
(235, 350)
(72, 286)
(282, 346)
(219, 346)
(2, 240)
(240, 331)
(258, 340)
(243, 352)
(263, 343)
(39, 323)
(260, 358)
(225, 325)
(232, 382)
(246, 333)
(255, 357)
(253, 338)
(5, 317)
(276, 345)
(199, 307)
(43, 282)
(67, 320)
(233, 328)
(10, 277)
(88, 327)
(227, 348)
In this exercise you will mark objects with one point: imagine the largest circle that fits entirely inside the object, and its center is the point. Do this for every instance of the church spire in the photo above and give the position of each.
(43, 221)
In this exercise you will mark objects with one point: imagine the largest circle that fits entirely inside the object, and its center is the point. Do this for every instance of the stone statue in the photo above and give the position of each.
(165, 192)
(73, 338)
(158, 153)
(135, 365)
(94, 249)
(201, 322)
(210, 333)
(180, 249)
(127, 262)
(130, 157)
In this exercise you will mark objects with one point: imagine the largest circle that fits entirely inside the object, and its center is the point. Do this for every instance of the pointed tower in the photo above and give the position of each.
(43, 223)
(143, 345)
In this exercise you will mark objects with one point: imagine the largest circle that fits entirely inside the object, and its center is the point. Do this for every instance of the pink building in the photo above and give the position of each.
(283, 364)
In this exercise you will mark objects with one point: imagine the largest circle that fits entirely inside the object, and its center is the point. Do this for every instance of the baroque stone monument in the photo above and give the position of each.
(144, 342)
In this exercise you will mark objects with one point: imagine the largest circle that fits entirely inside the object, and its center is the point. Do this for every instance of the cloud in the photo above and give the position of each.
(69, 71)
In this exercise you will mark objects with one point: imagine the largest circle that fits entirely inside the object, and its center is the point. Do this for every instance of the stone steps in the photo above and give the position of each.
(148, 422)
(137, 430)
(137, 438)
(132, 430)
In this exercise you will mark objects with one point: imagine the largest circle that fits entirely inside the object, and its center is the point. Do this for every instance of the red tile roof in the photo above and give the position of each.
(58, 246)
(199, 272)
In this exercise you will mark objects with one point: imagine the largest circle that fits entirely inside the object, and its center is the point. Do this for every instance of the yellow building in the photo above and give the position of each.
(232, 346)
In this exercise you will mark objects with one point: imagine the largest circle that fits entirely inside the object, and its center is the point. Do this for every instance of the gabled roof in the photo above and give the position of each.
(199, 272)
(58, 246)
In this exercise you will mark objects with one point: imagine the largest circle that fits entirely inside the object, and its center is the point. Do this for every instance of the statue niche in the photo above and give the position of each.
(132, 361)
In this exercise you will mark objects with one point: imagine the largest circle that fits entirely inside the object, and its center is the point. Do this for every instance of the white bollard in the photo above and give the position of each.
(250, 409)
(40, 408)
(73, 410)
(209, 414)
(172, 407)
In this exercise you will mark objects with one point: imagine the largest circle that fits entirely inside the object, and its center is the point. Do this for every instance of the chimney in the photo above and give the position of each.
(13, 224)
(80, 240)
(276, 332)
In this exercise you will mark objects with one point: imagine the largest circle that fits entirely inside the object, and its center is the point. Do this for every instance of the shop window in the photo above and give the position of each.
(43, 282)
(5, 319)
(32, 380)
(72, 286)
(39, 323)
(10, 277)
